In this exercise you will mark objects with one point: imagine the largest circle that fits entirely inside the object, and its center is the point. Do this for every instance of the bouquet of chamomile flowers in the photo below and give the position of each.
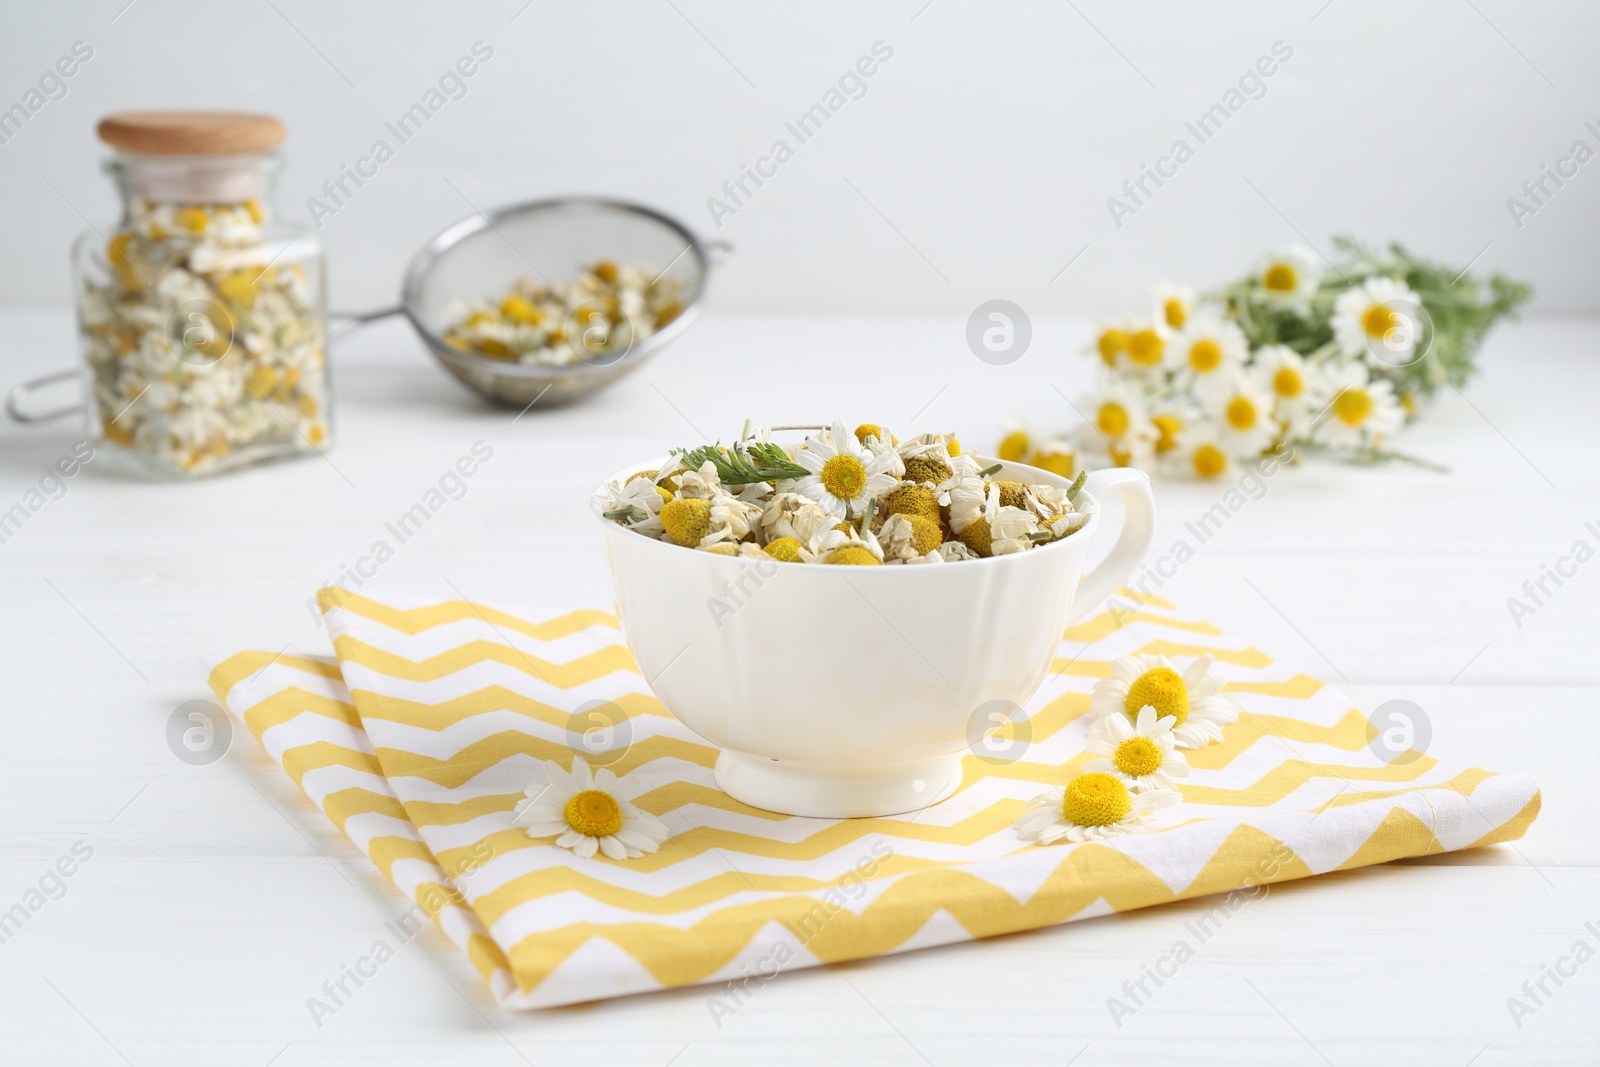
(1302, 355)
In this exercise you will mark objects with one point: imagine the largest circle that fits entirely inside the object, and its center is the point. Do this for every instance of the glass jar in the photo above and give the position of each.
(202, 315)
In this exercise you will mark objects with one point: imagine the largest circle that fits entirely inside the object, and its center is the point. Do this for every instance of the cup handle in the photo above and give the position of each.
(1138, 530)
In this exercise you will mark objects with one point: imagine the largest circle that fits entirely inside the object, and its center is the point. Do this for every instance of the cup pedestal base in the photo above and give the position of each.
(837, 790)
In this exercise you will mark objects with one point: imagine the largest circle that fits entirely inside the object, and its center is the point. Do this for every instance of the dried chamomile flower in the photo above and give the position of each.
(790, 515)
(909, 498)
(907, 537)
(686, 519)
(843, 498)
(1009, 531)
(204, 338)
(967, 501)
(784, 550)
(848, 546)
(604, 310)
(636, 503)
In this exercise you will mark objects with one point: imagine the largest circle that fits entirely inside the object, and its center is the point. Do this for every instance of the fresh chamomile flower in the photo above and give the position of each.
(1171, 416)
(1192, 699)
(589, 812)
(1200, 452)
(1057, 456)
(1142, 754)
(1380, 317)
(1120, 416)
(1290, 274)
(1147, 351)
(1092, 807)
(1015, 441)
(1296, 387)
(1112, 341)
(844, 476)
(1363, 411)
(1243, 414)
(1207, 351)
(1174, 305)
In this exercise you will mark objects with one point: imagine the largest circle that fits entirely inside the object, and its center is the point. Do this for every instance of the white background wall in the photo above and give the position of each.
(990, 141)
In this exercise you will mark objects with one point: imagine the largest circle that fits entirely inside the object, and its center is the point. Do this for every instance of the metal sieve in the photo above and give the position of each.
(550, 240)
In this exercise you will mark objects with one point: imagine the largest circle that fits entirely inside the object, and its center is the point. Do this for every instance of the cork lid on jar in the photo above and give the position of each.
(192, 133)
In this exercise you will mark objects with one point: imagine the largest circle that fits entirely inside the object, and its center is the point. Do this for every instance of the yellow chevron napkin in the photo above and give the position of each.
(418, 740)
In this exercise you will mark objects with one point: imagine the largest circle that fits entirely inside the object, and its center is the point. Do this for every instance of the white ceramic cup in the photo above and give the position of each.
(837, 692)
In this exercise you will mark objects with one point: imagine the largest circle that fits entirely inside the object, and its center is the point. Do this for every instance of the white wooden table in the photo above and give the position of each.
(217, 900)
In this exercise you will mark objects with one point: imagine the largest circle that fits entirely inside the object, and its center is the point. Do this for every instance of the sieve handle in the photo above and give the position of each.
(19, 394)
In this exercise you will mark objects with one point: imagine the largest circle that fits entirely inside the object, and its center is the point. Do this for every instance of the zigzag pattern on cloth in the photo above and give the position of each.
(418, 739)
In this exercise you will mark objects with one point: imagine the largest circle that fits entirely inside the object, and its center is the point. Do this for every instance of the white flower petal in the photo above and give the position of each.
(581, 775)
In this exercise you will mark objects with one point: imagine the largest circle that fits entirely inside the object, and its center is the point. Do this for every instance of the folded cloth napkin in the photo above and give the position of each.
(420, 737)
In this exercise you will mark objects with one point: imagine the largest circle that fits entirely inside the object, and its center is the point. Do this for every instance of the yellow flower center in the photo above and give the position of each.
(925, 534)
(1209, 462)
(1162, 688)
(1061, 463)
(1353, 406)
(784, 549)
(1205, 356)
(1287, 382)
(1169, 427)
(953, 446)
(1145, 348)
(869, 429)
(1014, 446)
(686, 520)
(1280, 278)
(844, 476)
(1112, 343)
(1378, 321)
(853, 555)
(1241, 413)
(1174, 312)
(926, 468)
(977, 536)
(594, 813)
(1112, 419)
(1095, 800)
(1137, 757)
(911, 500)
